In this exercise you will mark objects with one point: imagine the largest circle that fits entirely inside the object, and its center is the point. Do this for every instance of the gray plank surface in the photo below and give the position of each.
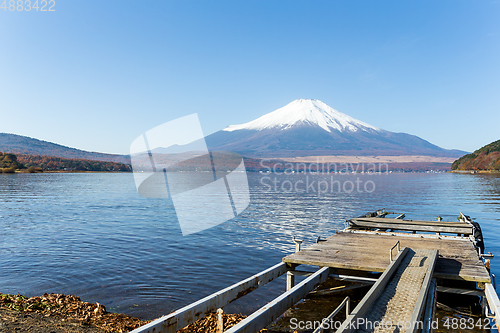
(458, 260)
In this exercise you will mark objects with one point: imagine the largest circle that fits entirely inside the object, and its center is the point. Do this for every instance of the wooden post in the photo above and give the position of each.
(297, 244)
(290, 276)
(290, 280)
(484, 304)
(220, 321)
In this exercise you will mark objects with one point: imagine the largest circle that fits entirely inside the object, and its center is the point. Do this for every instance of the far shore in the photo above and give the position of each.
(476, 171)
(368, 159)
(64, 171)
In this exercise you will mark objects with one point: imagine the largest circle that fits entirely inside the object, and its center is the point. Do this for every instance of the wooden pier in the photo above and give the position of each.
(411, 255)
(369, 251)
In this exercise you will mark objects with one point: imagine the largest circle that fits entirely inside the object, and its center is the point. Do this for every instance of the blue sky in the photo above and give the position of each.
(96, 74)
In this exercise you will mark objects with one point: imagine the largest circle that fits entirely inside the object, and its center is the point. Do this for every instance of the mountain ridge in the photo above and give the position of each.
(310, 127)
(300, 128)
(20, 144)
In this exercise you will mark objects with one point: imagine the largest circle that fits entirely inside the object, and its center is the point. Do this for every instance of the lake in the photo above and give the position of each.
(93, 235)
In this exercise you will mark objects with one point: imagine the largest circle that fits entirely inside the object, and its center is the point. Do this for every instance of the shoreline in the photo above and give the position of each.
(62, 311)
(58, 313)
(476, 171)
(79, 171)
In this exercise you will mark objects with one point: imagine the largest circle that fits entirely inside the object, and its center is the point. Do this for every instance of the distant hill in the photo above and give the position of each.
(10, 163)
(18, 144)
(50, 163)
(486, 158)
(308, 127)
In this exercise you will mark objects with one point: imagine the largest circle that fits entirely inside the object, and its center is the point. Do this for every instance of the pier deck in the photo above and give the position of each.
(369, 251)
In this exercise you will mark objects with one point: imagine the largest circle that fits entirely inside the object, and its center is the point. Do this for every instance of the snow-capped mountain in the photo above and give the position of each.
(308, 127)
(305, 112)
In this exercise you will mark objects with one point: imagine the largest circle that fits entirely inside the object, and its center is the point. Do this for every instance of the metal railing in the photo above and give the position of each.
(392, 248)
(347, 303)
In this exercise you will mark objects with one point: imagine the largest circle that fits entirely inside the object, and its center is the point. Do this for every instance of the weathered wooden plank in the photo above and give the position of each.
(412, 227)
(460, 291)
(181, 318)
(413, 222)
(336, 290)
(351, 238)
(406, 234)
(353, 278)
(265, 315)
(446, 268)
(380, 248)
(457, 260)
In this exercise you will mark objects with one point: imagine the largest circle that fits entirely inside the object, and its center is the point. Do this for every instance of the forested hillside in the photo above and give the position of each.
(486, 158)
(10, 163)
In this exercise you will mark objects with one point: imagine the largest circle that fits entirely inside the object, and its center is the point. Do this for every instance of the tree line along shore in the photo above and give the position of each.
(12, 163)
(485, 159)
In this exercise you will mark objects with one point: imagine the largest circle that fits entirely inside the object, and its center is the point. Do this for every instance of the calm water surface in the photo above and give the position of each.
(92, 235)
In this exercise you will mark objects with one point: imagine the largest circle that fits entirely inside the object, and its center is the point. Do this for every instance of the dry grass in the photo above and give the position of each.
(71, 307)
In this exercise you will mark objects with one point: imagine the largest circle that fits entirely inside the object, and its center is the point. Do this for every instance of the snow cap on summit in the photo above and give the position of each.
(310, 112)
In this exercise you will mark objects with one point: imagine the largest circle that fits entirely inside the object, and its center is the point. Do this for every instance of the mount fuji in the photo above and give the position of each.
(308, 127)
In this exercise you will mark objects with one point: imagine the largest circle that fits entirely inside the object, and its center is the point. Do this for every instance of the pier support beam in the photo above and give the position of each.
(290, 280)
(493, 301)
(290, 277)
(220, 321)
(484, 304)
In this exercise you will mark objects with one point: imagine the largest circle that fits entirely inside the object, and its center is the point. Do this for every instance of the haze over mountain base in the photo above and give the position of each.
(368, 159)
